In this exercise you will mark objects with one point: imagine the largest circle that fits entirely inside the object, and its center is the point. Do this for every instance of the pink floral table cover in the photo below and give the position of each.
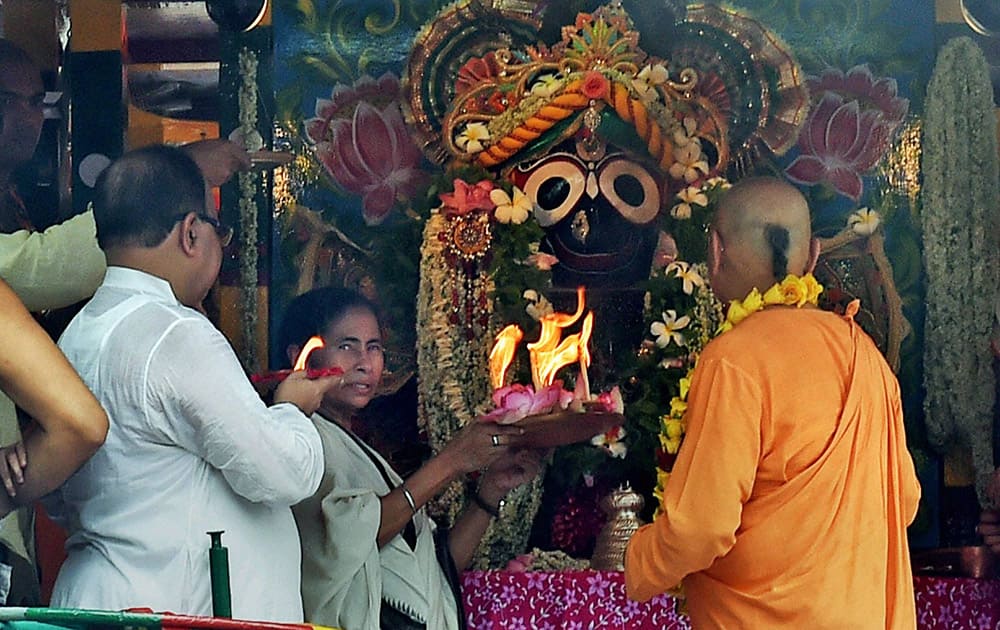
(596, 599)
(952, 603)
(571, 600)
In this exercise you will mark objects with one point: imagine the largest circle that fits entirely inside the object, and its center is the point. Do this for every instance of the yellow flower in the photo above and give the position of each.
(685, 385)
(473, 137)
(660, 485)
(670, 445)
(791, 291)
(510, 210)
(754, 301)
(677, 407)
(813, 288)
(740, 310)
(661, 480)
(673, 428)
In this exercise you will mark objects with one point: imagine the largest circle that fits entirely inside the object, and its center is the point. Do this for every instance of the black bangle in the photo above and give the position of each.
(486, 507)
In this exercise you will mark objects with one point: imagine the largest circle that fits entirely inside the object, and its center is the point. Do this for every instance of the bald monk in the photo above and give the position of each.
(788, 504)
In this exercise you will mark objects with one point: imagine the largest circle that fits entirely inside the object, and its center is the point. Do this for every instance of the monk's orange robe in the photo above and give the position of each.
(789, 500)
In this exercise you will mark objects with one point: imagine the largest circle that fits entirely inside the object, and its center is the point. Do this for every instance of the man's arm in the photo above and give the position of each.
(71, 424)
(711, 480)
(64, 265)
(218, 159)
(267, 454)
(54, 268)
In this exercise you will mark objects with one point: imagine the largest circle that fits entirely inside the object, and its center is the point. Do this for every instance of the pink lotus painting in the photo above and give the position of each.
(362, 142)
(848, 130)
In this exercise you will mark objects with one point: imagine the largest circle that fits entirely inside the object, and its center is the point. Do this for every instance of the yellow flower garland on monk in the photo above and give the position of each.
(792, 291)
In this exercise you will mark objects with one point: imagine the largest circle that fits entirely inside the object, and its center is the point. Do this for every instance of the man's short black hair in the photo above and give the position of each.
(142, 195)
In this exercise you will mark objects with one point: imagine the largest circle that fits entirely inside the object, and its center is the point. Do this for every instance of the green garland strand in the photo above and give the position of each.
(960, 225)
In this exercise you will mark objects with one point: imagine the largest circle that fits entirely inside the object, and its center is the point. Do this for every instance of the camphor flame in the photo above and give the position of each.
(302, 360)
(584, 343)
(502, 354)
(549, 354)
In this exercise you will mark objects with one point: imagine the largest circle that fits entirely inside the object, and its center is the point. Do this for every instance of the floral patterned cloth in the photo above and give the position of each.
(953, 602)
(596, 599)
(570, 600)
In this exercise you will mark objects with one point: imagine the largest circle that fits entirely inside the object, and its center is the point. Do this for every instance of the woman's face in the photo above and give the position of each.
(354, 344)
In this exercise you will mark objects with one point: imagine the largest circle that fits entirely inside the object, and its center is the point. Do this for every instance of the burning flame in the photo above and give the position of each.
(551, 352)
(502, 353)
(303, 358)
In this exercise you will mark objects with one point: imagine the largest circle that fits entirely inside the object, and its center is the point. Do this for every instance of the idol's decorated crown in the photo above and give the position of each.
(728, 89)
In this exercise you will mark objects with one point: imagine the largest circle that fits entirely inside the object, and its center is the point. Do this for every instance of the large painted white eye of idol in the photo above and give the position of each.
(555, 185)
(630, 189)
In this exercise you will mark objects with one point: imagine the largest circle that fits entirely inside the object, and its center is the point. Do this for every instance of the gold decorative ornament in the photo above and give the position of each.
(622, 507)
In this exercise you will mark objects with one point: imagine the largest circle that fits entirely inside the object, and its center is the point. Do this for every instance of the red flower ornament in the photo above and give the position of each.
(467, 198)
(595, 85)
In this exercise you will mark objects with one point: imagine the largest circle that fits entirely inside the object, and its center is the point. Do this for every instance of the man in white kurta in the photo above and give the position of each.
(54, 268)
(191, 447)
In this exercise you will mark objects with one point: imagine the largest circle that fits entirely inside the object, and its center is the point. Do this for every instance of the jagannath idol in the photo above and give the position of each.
(585, 145)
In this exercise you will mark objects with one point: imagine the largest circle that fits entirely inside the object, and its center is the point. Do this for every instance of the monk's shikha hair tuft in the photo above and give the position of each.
(778, 240)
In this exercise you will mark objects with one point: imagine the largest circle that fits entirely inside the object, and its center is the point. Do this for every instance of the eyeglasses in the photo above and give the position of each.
(224, 232)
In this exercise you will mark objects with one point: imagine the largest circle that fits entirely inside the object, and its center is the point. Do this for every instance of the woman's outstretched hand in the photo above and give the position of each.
(479, 444)
(507, 473)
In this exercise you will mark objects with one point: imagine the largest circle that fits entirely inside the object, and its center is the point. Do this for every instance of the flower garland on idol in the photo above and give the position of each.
(477, 249)
(792, 291)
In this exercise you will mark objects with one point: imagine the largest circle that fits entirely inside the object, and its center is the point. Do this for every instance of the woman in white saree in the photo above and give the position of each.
(371, 557)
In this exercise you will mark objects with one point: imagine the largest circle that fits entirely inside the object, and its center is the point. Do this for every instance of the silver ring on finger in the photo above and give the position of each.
(495, 439)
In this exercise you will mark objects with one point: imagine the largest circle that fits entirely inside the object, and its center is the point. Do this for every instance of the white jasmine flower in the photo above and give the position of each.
(472, 139)
(669, 329)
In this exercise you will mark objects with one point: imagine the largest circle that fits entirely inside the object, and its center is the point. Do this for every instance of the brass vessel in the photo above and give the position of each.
(622, 507)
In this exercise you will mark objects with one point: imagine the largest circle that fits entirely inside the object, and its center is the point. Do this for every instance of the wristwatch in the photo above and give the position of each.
(486, 507)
